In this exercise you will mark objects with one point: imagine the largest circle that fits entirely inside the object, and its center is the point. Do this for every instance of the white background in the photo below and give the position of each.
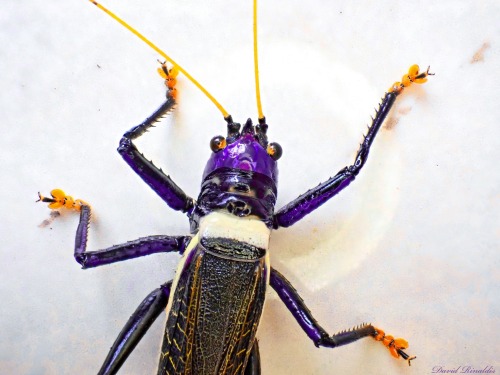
(411, 246)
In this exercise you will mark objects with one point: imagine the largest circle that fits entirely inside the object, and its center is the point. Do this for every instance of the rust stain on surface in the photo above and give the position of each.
(53, 215)
(394, 120)
(479, 54)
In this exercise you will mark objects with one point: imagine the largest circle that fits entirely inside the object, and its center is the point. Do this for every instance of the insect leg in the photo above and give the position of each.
(136, 327)
(133, 249)
(253, 364)
(302, 314)
(312, 199)
(318, 335)
(161, 183)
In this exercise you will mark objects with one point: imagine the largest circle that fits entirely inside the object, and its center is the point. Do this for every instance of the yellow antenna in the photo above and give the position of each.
(256, 61)
(164, 55)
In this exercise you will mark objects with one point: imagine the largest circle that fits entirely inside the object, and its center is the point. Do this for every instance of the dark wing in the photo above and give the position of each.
(213, 319)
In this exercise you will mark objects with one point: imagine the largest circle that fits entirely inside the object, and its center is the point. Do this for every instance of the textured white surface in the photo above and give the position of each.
(411, 246)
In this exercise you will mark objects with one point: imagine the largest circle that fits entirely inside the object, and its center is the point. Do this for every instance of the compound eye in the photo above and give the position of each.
(218, 143)
(274, 150)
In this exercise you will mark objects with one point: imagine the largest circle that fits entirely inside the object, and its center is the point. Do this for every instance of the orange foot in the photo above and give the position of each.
(60, 199)
(395, 346)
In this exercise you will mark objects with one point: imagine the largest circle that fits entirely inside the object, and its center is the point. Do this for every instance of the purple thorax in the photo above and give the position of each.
(246, 154)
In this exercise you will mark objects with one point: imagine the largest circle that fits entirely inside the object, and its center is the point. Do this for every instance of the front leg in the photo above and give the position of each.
(318, 335)
(312, 199)
(161, 183)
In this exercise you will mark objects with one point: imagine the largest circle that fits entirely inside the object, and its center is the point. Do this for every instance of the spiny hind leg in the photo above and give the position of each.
(137, 325)
(318, 335)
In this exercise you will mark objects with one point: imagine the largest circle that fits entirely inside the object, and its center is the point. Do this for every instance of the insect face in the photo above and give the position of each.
(241, 175)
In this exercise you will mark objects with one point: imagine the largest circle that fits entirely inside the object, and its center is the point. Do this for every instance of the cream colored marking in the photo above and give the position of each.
(250, 230)
(268, 268)
(192, 244)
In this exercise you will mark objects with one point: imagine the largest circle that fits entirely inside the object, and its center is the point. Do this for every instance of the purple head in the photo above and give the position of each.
(247, 151)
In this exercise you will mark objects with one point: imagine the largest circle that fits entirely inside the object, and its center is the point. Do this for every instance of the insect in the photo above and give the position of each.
(215, 301)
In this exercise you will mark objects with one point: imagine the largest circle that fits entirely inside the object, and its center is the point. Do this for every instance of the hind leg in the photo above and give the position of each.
(318, 335)
(136, 327)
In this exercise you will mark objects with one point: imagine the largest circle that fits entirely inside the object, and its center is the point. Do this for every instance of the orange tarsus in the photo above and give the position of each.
(169, 76)
(395, 346)
(413, 76)
(60, 199)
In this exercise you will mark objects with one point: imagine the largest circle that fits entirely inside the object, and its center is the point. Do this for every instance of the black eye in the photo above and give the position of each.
(274, 150)
(218, 143)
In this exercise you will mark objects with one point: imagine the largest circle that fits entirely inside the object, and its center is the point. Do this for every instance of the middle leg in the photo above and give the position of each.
(132, 249)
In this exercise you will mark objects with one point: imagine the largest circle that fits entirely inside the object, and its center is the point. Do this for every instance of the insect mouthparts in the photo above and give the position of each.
(238, 208)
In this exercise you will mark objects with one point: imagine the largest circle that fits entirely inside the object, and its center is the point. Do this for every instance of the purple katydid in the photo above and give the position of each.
(225, 268)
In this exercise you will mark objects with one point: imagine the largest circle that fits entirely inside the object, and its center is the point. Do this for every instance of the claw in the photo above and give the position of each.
(395, 346)
(406, 356)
